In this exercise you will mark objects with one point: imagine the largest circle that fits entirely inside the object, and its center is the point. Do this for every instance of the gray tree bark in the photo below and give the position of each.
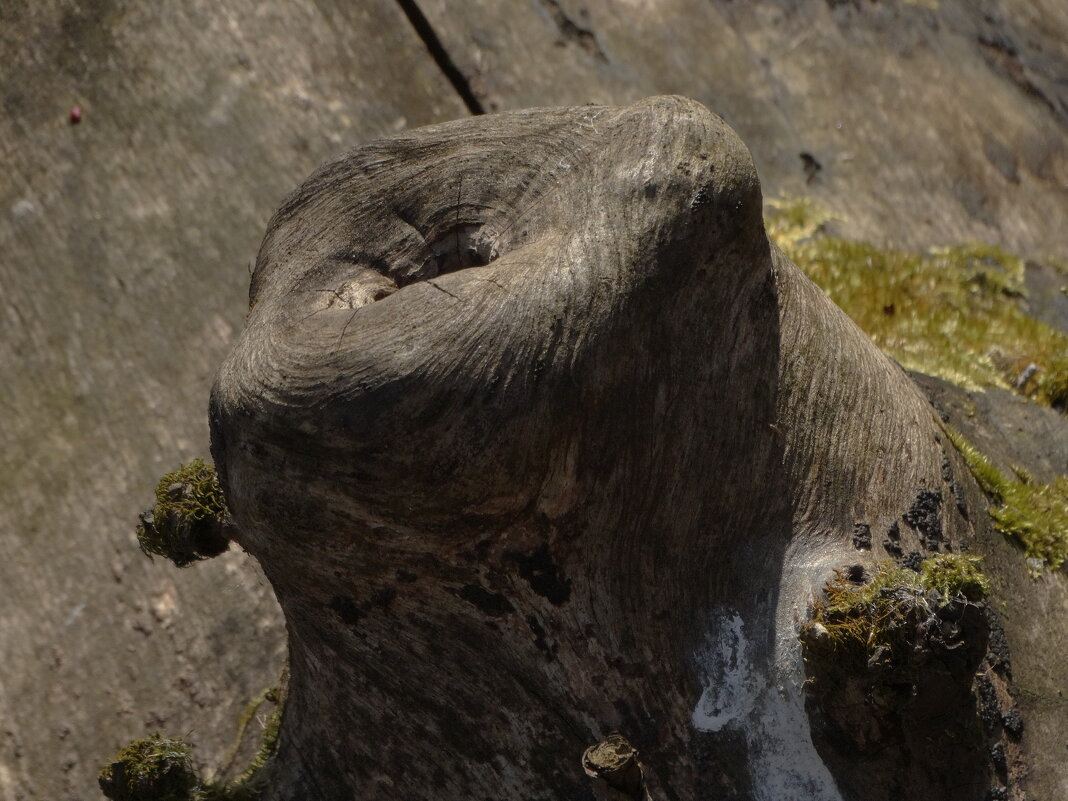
(538, 438)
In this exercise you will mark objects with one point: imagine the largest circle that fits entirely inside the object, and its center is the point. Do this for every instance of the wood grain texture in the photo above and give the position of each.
(528, 424)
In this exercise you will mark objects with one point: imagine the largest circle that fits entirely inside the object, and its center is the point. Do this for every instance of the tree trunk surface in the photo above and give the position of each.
(538, 439)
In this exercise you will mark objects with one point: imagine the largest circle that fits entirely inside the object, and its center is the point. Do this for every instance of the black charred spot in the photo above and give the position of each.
(912, 561)
(543, 575)
(989, 706)
(540, 637)
(406, 576)
(947, 470)
(892, 543)
(1013, 723)
(999, 759)
(862, 536)
(955, 488)
(811, 166)
(347, 610)
(384, 596)
(998, 645)
(925, 515)
(491, 603)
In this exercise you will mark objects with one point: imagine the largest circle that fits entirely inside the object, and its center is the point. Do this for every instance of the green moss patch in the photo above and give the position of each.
(159, 768)
(1032, 514)
(189, 521)
(956, 313)
(153, 768)
(954, 577)
(253, 781)
(875, 623)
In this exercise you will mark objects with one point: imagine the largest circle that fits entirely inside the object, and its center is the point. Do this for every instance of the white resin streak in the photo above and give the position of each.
(729, 694)
(767, 705)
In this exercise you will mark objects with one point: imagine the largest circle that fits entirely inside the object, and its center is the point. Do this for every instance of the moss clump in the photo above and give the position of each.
(189, 521)
(159, 768)
(956, 313)
(858, 626)
(1032, 514)
(954, 577)
(153, 768)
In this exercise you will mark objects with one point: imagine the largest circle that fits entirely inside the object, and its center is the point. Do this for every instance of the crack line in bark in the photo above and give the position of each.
(441, 56)
(442, 289)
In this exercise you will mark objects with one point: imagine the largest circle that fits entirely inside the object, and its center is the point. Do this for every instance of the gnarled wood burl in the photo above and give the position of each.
(537, 439)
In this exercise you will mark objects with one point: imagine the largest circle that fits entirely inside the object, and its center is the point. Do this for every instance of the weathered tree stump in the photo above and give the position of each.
(538, 438)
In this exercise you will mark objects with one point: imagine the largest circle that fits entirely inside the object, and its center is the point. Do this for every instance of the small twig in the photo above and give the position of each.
(615, 761)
